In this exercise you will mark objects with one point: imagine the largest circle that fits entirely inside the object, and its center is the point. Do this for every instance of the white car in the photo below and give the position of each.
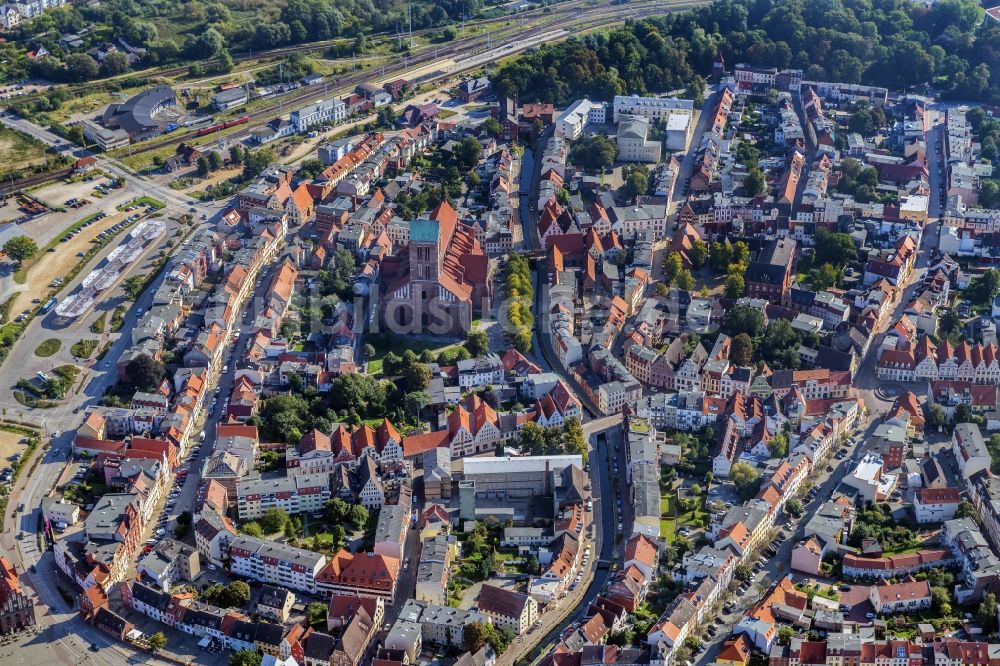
(212, 567)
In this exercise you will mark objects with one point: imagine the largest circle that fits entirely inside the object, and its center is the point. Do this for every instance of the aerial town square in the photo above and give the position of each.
(500, 333)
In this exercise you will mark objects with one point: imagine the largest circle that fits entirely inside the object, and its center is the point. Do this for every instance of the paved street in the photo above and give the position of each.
(572, 608)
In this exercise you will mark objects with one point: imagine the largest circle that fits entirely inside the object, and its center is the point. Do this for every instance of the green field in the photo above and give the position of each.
(18, 151)
(48, 348)
(668, 526)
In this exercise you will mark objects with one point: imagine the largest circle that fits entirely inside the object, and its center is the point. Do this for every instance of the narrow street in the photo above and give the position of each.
(573, 606)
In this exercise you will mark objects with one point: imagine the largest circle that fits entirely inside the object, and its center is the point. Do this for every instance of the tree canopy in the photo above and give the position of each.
(891, 43)
(21, 248)
(593, 152)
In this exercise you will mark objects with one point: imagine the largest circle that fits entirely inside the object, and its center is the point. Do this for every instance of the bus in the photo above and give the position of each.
(49, 304)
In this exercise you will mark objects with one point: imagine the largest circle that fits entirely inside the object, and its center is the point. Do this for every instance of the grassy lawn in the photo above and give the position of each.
(98, 325)
(668, 526)
(84, 348)
(6, 308)
(118, 318)
(143, 201)
(398, 345)
(48, 348)
(18, 151)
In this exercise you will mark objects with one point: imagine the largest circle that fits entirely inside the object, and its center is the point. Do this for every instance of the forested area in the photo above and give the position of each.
(893, 43)
(180, 31)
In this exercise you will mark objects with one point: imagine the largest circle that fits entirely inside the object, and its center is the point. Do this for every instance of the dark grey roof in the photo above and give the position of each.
(319, 646)
(770, 264)
(273, 597)
(136, 115)
(270, 634)
(109, 619)
(149, 596)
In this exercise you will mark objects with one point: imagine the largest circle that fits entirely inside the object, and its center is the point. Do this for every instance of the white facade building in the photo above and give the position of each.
(571, 122)
(317, 113)
(275, 563)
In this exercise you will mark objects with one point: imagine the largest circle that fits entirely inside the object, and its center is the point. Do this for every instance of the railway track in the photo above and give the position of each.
(36, 179)
(559, 17)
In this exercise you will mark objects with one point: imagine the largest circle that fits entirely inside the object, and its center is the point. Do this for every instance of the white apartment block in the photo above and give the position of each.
(14, 13)
(275, 563)
(571, 122)
(650, 107)
(300, 493)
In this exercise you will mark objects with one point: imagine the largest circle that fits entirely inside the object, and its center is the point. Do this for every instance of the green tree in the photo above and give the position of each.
(745, 478)
(636, 182)
(144, 372)
(338, 534)
(794, 507)
(685, 280)
(935, 415)
(743, 572)
(743, 319)
(236, 155)
(468, 152)
(963, 414)
(967, 509)
(214, 160)
(223, 62)
(735, 286)
(940, 597)
(204, 168)
(20, 248)
(133, 286)
(741, 350)
(115, 63)
(493, 127)
(982, 289)
(719, 256)
(316, 615)
(623, 638)
(825, 277)
(239, 593)
(754, 184)
(477, 343)
(81, 67)
(696, 89)
(245, 658)
(986, 615)
(834, 248)
(780, 346)
(778, 446)
(417, 376)
(357, 516)
(698, 254)
(415, 401)
(785, 635)
(255, 161)
(593, 152)
(673, 264)
(253, 529)
(157, 641)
